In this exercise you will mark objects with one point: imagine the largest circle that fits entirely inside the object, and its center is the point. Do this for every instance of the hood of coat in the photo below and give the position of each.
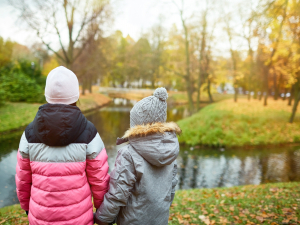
(58, 124)
(157, 143)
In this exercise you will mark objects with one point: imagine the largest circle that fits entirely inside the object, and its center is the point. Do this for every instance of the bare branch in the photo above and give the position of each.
(59, 37)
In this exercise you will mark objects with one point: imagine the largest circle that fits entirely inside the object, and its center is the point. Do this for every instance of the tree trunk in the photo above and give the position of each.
(236, 90)
(201, 58)
(255, 95)
(190, 95)
(249, 95)
(83, 87)
(90, 85)
(208, 91)
(266, 99)
(297, 98)
(266, 88)
(291, 95)
(260, 96)
(198, 93)
(188, 81)
(276, 91)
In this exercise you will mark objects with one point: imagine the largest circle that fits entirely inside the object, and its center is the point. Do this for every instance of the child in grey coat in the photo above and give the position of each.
(142, 184)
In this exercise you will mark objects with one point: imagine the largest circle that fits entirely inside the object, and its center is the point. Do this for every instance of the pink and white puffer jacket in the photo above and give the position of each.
(62, 163)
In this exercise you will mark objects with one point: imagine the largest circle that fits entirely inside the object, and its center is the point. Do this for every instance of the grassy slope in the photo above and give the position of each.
(180, 98)
(15, 115)
(242, 123)
(278, 203)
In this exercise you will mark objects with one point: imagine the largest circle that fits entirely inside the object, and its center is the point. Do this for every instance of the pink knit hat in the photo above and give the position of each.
(62, 86)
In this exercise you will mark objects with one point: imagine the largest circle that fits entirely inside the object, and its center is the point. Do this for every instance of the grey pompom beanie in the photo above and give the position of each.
(150, 109)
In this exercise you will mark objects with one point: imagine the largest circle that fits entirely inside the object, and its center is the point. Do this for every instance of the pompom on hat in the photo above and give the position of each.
(62, 86)
(150, 109)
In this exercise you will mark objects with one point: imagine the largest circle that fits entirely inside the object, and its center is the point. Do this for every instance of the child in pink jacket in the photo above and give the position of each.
(62, 161)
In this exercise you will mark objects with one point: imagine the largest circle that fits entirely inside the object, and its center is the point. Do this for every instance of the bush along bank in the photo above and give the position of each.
(244, 123)
(22, 82)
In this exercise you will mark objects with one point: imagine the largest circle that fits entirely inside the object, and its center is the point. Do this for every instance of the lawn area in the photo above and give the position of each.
(227, 123)
(254, 204)
(14, 115)
(180, 98)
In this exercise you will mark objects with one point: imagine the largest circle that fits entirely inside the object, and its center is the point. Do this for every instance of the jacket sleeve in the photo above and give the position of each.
(23, 174)
(121, 183)
(97, 169)
(174, 181)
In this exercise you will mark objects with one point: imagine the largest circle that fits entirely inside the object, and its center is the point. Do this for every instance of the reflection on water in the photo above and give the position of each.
(208, 168)
(197, 168)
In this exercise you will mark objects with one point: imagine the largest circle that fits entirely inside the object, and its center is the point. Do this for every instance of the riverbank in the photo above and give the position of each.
(252, 204)
(175, 97)
(245, 123)
(16, 115)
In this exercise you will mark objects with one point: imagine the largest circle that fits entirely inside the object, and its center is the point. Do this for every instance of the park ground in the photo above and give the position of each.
(16, 115)
(243, 123)
(223, 123)
(253, 204)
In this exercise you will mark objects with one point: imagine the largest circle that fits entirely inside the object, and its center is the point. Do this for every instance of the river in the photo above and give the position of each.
(197, 167)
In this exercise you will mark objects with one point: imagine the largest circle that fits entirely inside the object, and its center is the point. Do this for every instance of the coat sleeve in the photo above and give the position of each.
(174, 181)
(23, 174)
(121, 183)
(97, 169)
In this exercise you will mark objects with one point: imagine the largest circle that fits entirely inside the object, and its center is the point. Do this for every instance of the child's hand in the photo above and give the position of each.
(97, 221)
(101, 223)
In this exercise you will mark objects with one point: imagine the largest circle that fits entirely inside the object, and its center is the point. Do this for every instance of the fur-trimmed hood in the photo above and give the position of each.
(148, 129)
(157, 143)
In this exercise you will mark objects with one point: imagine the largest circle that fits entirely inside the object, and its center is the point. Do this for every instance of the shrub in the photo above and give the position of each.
(17, 87)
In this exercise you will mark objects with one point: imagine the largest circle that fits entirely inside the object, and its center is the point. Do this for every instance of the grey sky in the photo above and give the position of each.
(132, 17)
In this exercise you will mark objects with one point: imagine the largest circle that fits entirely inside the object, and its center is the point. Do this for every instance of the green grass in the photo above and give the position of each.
(254, 204)
(15, 115)
(262, 204)
(181, 97)
(243, 123)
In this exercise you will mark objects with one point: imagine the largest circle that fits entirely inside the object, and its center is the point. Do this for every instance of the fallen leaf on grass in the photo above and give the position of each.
(273, 189)
(216, 211)
(204, 219)
(286, 220)
(287, 211)
(204, 212)
(231, 208)
(179, 217)
(223, 220)
(186, 216)
(193, 211)
(259, 218)
(246, 211)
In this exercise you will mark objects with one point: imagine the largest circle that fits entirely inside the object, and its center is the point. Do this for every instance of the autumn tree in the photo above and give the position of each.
(187, 75)
(71, 23)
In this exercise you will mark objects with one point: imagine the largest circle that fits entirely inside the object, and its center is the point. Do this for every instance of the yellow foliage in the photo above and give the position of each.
(50, 65)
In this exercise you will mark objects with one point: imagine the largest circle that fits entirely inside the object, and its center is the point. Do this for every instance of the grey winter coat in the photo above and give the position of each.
(142, 184)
